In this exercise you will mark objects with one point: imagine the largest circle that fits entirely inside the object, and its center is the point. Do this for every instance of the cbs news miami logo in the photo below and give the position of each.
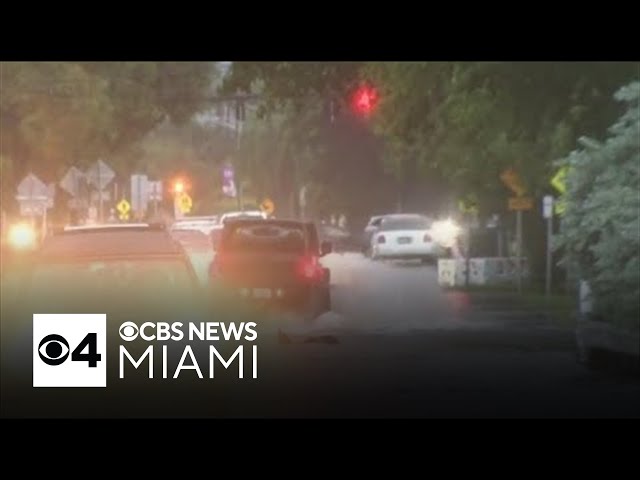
(69, 350)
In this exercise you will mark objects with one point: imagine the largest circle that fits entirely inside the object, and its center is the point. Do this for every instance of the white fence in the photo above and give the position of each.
(482, 271)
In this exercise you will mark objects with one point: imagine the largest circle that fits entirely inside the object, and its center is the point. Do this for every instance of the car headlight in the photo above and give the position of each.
(445, 232)
(22, 236)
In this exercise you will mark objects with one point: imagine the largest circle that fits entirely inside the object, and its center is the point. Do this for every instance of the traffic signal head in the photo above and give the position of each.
(178, 186)
(365, 100)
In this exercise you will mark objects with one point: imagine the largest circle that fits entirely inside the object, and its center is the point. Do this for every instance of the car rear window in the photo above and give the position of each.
(130, 276)
(265, 238)
(192, 239)
(405, 223)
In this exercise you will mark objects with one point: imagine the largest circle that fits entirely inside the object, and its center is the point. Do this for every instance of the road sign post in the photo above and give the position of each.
(547, 213)
(100, 175)
(519, 249)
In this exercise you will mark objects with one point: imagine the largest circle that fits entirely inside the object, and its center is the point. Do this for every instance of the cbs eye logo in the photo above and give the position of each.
(69, 350)
(54, 350)
(129, 331)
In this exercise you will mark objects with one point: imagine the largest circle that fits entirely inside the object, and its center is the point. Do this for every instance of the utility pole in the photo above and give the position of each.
(100, 220)
(547, 212)
(239, 117)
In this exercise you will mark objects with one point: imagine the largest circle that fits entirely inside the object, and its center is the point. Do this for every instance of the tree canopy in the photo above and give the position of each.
(57, 114)
(601, 226)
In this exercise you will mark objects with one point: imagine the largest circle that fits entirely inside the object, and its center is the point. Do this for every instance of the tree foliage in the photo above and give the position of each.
(57, 114)
(471, 120)
(292, 84)
(601, 226)
(292, 141)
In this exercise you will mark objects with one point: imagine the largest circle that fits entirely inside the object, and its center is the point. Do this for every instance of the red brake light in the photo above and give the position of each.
(309, 268)
(381, 239)
(427, 237)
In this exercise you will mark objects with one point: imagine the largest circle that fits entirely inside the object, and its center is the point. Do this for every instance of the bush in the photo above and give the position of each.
(600, 230)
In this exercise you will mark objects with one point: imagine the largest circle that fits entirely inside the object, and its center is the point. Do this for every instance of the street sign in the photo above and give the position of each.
(33, 206)
(100, 175)
(559, 180)
(70, 183)
(139, 193)
(547, 206)
(123, 208)
(513, 181)
(468, 206)
(33, 196)
(184, 202)
(227, 172)
(267, 206)
(31, 186)
(155, 191)
(229, 189)
(520, 203)
(228, 181)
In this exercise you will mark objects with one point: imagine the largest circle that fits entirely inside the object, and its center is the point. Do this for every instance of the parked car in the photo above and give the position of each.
(371, 227)
(405, 236)
(274, 263)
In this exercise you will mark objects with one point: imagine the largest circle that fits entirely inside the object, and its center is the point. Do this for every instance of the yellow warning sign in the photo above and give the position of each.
(123, 207)
(559, 207)
(467, 205)
(512, 180)
(559, 180)
(267, 206)
(184, 202)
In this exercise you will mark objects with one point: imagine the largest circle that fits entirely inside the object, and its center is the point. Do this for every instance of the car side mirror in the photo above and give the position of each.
(325, 248)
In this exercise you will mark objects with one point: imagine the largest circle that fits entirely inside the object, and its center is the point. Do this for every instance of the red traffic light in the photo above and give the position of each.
(180, 185)
(365, 100)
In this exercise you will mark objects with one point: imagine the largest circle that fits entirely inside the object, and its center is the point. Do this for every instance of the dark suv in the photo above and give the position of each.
(275, 263)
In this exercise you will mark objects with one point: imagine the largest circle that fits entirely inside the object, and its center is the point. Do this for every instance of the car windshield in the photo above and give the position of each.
(265, 238)
(405, 223)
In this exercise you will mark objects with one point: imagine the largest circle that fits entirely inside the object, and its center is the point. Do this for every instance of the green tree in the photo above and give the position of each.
(601, 226)
(471, 120)
(57, 114)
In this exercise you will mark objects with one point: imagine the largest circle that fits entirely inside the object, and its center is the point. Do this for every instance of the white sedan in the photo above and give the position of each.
(405, 236)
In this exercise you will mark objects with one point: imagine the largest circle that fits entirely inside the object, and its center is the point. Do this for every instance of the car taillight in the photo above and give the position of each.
(427, 237)
(309, 269)
(381, 239)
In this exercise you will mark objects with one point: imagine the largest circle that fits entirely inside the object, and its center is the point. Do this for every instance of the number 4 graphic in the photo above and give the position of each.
(90, 342)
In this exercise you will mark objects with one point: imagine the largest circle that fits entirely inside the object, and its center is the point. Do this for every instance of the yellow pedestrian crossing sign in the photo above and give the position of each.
(123, 208)
(184, 202)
